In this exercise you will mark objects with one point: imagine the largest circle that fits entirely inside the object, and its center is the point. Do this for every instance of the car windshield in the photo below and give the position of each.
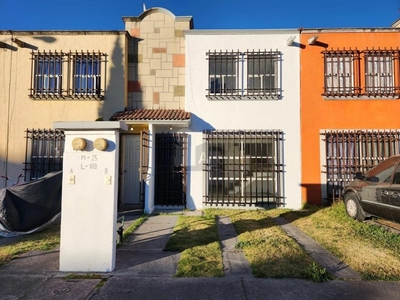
(383, 171)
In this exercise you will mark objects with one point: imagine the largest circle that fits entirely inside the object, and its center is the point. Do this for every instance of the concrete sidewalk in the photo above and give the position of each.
(144, 271)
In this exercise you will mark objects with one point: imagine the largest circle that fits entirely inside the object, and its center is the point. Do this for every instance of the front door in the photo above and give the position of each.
(170, 181)
(131, 170)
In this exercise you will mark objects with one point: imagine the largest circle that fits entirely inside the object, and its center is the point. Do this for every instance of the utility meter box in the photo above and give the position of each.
(89, 196)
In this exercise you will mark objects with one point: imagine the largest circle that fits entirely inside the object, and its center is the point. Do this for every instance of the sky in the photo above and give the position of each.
(207, 14)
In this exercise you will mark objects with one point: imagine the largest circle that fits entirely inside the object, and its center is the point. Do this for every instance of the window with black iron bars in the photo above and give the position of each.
(243, 75)
(67, 75)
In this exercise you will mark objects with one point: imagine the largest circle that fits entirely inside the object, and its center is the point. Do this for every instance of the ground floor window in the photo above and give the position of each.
(351, 151)
(243, 168)
(44, 152)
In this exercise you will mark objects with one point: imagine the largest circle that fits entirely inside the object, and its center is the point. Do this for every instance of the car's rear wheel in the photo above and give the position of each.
(353, 208)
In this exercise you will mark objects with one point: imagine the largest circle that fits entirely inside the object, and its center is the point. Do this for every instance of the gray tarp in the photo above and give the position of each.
(28, 207)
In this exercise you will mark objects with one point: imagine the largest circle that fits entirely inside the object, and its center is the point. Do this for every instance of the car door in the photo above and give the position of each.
(375, 197)
(392, 194)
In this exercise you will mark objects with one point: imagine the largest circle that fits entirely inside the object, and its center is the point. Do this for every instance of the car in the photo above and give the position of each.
(375, 193)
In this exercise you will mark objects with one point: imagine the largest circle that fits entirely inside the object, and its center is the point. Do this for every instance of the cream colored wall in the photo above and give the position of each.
(157, 65)
(19, 112)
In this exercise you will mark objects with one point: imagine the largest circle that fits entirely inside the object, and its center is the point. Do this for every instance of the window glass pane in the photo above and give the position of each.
(47, 75)
(230, 84)
(222, 73)
(396, 176)
(339, 76)
(254, 83)
(383, 171)
(269, 82)
(260, 73)
(215, 85)
(87, 75)
(379, 72)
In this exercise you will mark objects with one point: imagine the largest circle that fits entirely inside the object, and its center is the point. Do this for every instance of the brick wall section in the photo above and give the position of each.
(156, 71)
(134, 86)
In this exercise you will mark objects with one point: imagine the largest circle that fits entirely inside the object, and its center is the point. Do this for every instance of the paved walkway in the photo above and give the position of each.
(144, 271)
(235, 263)
(332, 264)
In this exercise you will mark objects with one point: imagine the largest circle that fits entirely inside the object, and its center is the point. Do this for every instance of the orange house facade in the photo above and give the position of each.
(350, 100)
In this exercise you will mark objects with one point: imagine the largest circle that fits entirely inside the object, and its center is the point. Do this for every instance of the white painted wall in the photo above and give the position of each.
(282, 114)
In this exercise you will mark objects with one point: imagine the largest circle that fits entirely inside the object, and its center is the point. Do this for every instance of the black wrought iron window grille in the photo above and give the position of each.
(243, 168)
(368, 73)
(67, 75)
(382, 73)
(341, 71)
(351, 151)
(43, 153)
(244, 75)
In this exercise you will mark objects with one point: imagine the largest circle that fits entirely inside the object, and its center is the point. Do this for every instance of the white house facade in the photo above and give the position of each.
(243, 93)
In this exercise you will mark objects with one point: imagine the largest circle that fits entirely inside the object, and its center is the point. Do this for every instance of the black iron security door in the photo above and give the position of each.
(171, 156)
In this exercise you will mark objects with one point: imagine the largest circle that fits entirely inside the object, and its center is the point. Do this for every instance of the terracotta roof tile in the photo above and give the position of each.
(151, 115)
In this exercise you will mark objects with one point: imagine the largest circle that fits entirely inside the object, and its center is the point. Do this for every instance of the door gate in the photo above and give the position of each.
(171, 157)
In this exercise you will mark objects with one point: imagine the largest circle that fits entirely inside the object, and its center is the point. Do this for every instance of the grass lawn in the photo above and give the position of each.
(197, 239)
(270, 252)
(372, 251)
(43, 240)
(369, 249)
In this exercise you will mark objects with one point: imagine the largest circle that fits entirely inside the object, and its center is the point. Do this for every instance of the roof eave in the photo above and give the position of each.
(174, 123)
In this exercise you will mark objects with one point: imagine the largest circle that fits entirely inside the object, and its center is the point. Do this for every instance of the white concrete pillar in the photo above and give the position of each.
(89, 195)
(150, 182)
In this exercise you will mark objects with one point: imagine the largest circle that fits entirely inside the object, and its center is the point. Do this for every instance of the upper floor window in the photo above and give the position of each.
(87, 74)
(343, 73)
(241, 75)
(262, 74)
(66, 75)
(341, 68)
(379, 72)
(47, 75)
(223, 69)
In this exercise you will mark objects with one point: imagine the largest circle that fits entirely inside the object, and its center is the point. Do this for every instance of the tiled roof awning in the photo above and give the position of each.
(153, 116)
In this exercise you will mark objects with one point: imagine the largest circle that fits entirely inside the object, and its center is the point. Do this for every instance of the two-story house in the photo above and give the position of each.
(214, 115)
(49, 76)
(243, 92)
(350, 90)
